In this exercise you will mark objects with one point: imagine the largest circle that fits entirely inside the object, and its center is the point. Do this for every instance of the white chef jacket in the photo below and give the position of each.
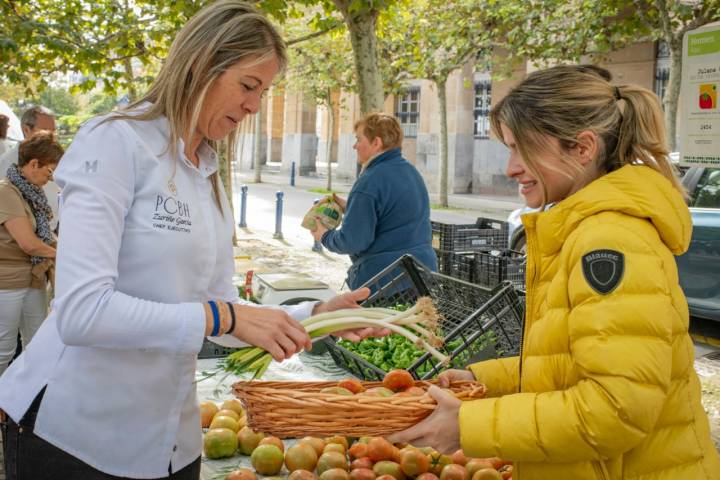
(51, 188)
(135, 260)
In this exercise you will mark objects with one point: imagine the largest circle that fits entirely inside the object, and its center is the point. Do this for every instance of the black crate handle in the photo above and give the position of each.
(410, 264)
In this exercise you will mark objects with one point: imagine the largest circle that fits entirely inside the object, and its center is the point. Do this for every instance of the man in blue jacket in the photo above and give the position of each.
(387, 213)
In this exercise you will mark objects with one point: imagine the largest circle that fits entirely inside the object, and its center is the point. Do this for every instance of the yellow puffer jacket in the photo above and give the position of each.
(604, 387)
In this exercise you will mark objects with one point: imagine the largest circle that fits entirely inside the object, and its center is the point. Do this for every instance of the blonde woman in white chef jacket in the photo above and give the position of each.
(144, 265)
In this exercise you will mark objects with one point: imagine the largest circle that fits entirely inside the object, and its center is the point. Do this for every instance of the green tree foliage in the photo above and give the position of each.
(669, 21)
(320, 68)
(568, 30)
(360, 17)
(15, 94)
(431, 40)
(101, 103)
(552, 30)
(322, 65)
(59, 101)
(111, 43)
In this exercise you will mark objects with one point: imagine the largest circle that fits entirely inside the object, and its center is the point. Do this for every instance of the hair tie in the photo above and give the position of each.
(232, 318)
(617, 94)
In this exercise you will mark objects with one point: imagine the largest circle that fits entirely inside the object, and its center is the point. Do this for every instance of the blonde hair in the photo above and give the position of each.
(216, 38)
(381, 125)
(565, 100)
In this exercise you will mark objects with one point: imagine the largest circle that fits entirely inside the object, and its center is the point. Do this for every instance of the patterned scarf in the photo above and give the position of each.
(35, 197)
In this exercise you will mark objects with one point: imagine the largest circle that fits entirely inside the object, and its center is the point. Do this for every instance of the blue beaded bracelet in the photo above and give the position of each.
(216, 318)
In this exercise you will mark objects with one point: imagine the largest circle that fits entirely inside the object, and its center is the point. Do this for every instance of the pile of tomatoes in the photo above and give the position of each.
(369, 458)
(337, 458)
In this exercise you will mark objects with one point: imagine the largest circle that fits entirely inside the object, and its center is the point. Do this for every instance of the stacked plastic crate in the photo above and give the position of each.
(456, 246)
(492, 268)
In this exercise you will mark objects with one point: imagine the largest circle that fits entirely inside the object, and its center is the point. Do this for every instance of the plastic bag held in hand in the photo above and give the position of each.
(327, 210)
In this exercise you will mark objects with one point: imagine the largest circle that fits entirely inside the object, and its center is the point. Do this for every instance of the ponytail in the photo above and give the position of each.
(641, 137)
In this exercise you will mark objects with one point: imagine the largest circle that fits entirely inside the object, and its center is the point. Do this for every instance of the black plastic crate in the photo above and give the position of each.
(485, 234)
(493, 268)
(487, 322)
(522, 297)
(458, 265)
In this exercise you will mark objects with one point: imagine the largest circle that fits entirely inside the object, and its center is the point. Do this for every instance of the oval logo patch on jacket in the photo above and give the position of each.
(603, 269)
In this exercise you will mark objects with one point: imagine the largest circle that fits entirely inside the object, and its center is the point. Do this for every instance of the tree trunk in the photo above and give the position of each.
(127, 63)
(442, 100)
(227, 160)
(130, 77)
(331, 130)
(257, 164)
(364, 43)
(673, 90)
(227, 149)
(224, 167)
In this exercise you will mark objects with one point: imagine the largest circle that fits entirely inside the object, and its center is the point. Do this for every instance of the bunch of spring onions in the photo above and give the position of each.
(419, 324)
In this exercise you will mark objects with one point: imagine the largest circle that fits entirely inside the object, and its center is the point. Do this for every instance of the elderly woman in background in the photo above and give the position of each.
(387, 213)
(27, 245)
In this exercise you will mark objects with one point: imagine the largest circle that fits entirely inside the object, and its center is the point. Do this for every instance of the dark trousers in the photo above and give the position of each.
(29, 457)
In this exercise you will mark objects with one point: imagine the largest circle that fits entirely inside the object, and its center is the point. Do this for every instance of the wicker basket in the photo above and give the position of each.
(298, 409)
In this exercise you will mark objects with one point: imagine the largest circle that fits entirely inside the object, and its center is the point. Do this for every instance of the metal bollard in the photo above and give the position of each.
(278, 215)
(317, 246)
(243, 207)
(292, 174)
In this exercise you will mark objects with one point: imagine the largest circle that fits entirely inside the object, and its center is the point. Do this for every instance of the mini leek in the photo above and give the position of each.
(419, 324)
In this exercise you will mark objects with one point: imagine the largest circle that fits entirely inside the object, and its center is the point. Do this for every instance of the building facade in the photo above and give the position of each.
(295, 130)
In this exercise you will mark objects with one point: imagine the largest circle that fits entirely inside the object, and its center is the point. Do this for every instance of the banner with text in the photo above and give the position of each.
(700, 114)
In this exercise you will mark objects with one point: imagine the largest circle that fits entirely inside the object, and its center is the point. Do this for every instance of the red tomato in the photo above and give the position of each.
(454, 472)
(352, 384)
(398, 380)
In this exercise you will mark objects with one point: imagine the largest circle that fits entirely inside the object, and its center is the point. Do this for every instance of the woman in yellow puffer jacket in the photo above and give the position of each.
(604, 387)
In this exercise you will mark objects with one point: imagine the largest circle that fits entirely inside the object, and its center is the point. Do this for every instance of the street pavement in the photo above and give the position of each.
(297, 201)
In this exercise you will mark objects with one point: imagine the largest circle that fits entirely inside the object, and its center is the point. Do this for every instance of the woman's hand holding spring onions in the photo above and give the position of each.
(419, 324)
(350, 300)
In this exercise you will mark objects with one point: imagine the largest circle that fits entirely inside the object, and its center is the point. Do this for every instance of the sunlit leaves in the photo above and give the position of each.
(93, 38)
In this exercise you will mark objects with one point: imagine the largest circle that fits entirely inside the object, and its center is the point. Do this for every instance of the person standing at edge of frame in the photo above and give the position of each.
(605, 387)
(27, 244)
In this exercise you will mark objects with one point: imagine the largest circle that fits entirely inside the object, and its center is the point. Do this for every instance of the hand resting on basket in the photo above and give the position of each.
(454, 375)
(440, 429)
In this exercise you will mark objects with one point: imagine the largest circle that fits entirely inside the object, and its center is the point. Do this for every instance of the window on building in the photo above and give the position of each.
(482, 109)
(662, 70)
(408, 111)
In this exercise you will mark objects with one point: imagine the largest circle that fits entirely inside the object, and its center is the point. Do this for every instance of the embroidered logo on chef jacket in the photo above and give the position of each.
(603, 269)
(91, 167)
(171, 214)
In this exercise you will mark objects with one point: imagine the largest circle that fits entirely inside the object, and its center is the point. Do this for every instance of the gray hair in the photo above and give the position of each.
(29, 117)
